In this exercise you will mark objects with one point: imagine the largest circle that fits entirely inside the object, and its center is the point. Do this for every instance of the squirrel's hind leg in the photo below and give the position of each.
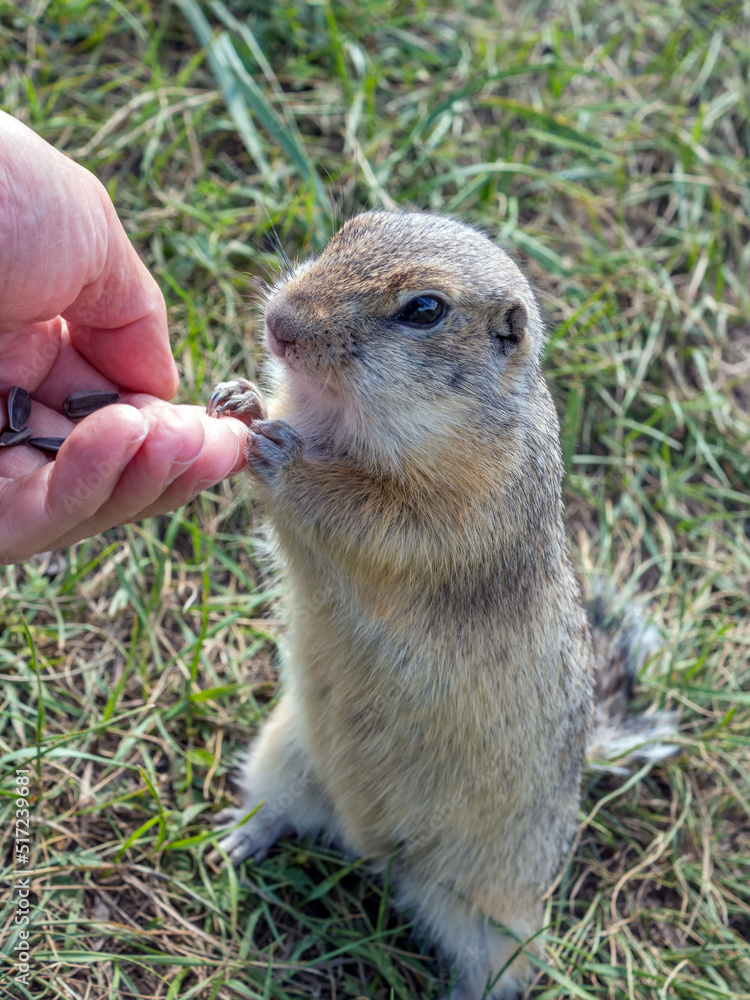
(493, 964)
(484, 955)
(278, 777)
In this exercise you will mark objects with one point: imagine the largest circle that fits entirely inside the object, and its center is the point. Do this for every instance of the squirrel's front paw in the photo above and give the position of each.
(272, 448)
(238, 398)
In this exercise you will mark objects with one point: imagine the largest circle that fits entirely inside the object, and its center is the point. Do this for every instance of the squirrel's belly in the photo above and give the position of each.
(411, 753)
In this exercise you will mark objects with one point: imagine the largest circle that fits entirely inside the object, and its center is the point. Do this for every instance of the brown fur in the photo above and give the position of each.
(439, 675)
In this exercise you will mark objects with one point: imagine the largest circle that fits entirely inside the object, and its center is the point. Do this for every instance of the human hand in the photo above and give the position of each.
(79, 310)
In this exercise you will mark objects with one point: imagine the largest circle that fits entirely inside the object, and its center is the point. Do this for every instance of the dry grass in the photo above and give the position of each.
(608, 146)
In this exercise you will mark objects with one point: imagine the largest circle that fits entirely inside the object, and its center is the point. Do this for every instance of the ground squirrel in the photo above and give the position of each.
(438, 696)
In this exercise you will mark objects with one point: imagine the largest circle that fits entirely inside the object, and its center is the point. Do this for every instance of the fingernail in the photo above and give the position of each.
(179, 467)
(203, 484)
(128, 458)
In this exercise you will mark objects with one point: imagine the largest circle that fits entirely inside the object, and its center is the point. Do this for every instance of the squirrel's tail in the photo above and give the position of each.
(621, 737)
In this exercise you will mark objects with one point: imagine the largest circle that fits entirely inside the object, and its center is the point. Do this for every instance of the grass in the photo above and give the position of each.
(608, 147)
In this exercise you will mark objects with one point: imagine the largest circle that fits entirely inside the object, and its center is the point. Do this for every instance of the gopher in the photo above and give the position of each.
(439, 689)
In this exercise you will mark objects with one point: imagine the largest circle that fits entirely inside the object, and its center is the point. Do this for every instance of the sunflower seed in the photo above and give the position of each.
(47, 444)
(9, 438)
(80, 404)
(19, 408)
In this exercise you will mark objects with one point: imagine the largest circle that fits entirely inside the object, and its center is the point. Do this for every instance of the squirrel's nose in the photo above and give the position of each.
(281, 329)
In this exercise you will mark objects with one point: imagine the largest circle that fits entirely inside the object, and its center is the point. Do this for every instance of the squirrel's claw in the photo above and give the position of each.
(239, 846)
(238, 398)
(251, 840)
(272, 447)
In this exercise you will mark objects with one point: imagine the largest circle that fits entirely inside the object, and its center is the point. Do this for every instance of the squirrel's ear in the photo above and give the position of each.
(508, 328)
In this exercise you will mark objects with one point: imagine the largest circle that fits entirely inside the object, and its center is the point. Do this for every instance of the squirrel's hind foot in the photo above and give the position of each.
(251, 840)
(279, 792)
(468, 987)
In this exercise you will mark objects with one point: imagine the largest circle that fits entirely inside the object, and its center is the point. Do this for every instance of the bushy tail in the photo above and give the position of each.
(620, 736)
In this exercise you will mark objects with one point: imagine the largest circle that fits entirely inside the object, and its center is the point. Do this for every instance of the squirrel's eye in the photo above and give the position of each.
(424, 310)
